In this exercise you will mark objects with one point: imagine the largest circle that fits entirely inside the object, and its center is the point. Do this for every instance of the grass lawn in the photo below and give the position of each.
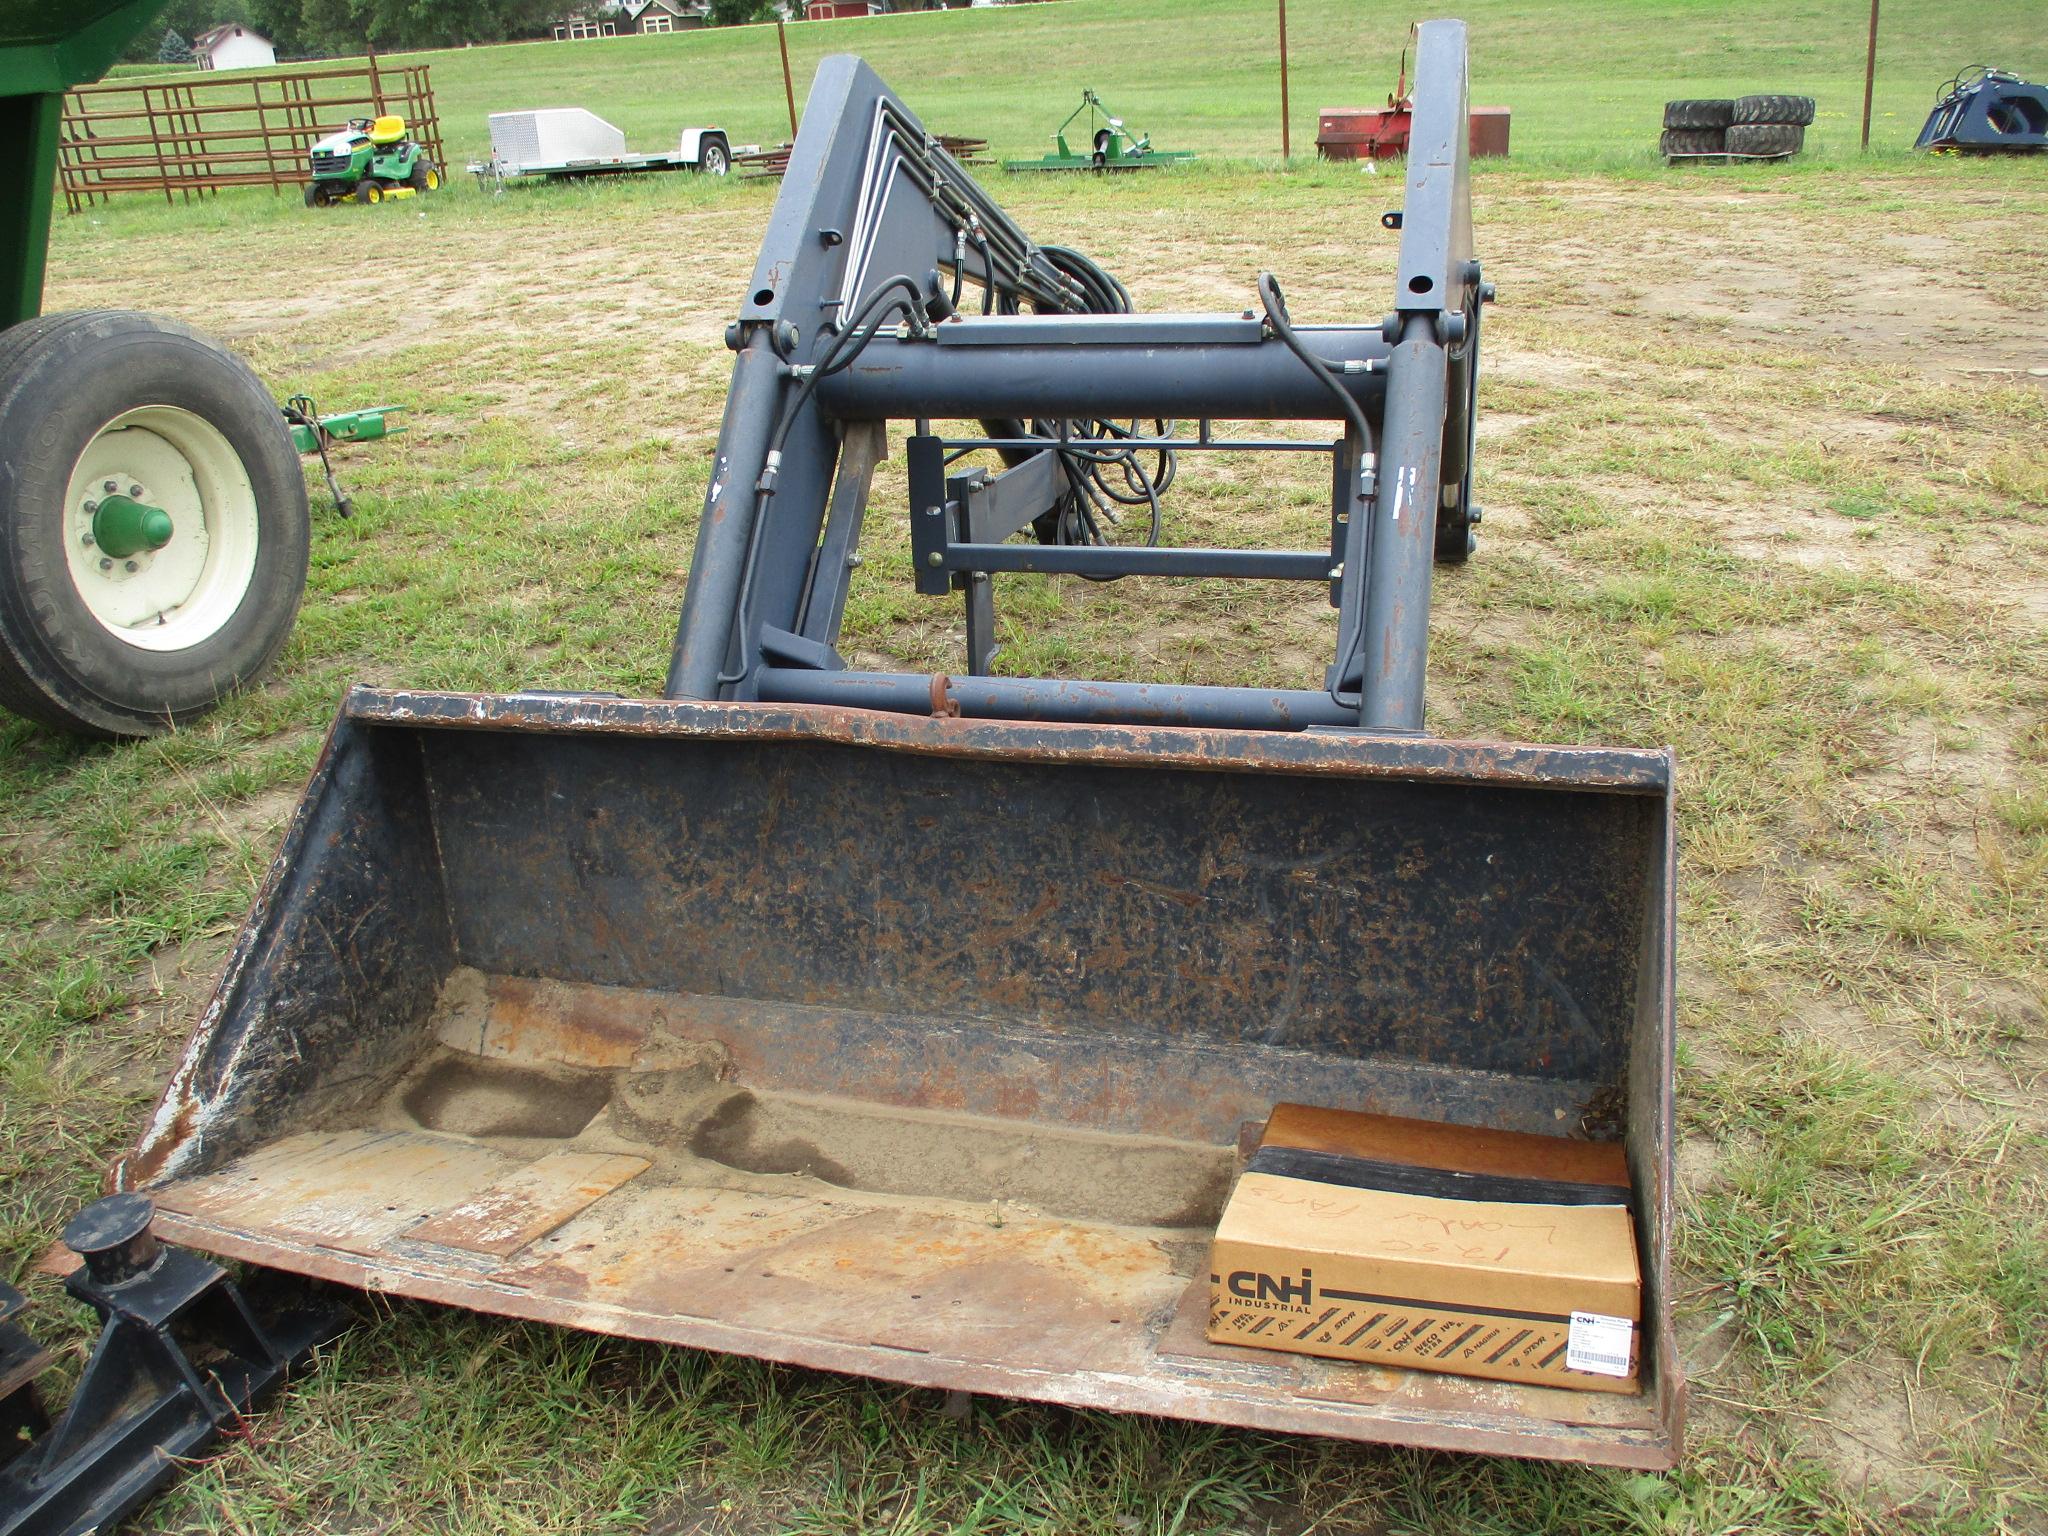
(1762, 456)
(1587, 79)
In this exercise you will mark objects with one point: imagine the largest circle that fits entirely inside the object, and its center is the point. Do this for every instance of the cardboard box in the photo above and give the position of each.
(1433, 1247)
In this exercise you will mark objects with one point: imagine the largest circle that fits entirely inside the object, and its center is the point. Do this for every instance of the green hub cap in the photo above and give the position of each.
(123, 526)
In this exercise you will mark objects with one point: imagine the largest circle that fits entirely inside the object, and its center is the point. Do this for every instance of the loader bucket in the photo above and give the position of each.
(917, 1047)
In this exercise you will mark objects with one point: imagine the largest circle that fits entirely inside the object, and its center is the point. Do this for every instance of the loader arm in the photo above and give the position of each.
(863, 310)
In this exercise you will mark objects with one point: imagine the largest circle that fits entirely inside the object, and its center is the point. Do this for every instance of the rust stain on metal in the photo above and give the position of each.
(528, 1204)
(1629, 769)
(519, 1018)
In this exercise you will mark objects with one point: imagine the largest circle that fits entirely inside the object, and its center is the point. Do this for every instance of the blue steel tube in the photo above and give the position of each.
(1116, 381)
(1395, 644)
(1056, 699)
(704, 635)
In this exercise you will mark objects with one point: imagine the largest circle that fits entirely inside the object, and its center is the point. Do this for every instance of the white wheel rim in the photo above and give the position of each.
(184, 594)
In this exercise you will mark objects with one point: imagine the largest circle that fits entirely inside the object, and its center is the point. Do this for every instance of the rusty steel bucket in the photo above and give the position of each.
(917, 1047)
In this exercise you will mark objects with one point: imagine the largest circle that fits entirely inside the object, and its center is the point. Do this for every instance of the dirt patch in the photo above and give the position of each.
(1023, 1167)
(466, 1096)
(1882, 1433)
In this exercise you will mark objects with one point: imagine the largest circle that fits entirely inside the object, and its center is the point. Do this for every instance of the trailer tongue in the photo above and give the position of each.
(909, 1025)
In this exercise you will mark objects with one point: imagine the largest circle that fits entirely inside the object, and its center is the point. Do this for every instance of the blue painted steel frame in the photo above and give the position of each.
(871, 199)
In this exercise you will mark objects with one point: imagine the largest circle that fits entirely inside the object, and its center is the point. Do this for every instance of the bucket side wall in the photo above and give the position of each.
(326, 997)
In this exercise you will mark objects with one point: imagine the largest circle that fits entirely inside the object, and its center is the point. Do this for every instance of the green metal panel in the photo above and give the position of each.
(28, 185)
(362, 426)
(46, 47)
(52, 45)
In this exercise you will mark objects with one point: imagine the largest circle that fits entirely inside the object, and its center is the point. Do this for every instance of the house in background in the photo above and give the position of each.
(604, 18)
(233, 47)
(664, 15)
(828, 10)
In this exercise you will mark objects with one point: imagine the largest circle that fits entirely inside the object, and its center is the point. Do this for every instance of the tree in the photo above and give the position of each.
(173, 49)
(187, 18)
(351, 26)
(732, 13)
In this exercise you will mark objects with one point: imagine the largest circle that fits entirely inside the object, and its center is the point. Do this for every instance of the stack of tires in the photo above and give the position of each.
(1746, 126)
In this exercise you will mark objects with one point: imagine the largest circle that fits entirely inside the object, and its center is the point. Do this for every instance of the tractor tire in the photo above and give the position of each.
(113, 639)
(713, 158)
(1692, 141)
(424, 177)
(369, 190)
(314, 197)
(1796, 110)
(1766, 139)
(1714, 113)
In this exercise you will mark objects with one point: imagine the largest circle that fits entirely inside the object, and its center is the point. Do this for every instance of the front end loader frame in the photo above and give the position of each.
(908, 1025)
(870, 200)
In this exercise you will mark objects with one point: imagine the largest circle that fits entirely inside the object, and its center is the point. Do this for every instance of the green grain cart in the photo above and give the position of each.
(153, 517)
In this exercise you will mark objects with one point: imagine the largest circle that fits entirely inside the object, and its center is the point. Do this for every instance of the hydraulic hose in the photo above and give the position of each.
(1275, 305)
(900, 292)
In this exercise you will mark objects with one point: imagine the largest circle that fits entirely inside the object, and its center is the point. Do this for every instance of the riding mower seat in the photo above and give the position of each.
(387, 130)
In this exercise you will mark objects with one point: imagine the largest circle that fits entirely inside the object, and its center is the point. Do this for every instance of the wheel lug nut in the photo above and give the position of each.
(106, 565)
(133, 566)
(91, 507)
(135, 492)
(110, 486)
(86, 540)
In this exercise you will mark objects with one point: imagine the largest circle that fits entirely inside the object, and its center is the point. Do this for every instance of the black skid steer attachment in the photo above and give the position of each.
(910, 1025)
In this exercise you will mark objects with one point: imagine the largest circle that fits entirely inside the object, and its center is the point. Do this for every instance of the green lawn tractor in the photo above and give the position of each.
(1110, 146)
(368, 161)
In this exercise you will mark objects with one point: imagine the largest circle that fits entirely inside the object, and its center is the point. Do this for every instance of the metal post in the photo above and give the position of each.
(788, 85)
(1286, 144)
(156, 143)
(263, 127)
(1869, 74)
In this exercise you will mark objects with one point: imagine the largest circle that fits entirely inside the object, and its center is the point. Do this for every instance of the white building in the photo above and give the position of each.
(233, 47)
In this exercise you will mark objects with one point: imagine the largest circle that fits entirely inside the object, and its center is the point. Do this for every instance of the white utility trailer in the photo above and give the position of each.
(559, 142)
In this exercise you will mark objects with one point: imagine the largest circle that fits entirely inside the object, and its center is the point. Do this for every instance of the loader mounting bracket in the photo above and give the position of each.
(182, 1354)
(890, 288)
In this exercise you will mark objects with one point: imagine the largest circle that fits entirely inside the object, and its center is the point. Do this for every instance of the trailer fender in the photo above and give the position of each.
(692, 146)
